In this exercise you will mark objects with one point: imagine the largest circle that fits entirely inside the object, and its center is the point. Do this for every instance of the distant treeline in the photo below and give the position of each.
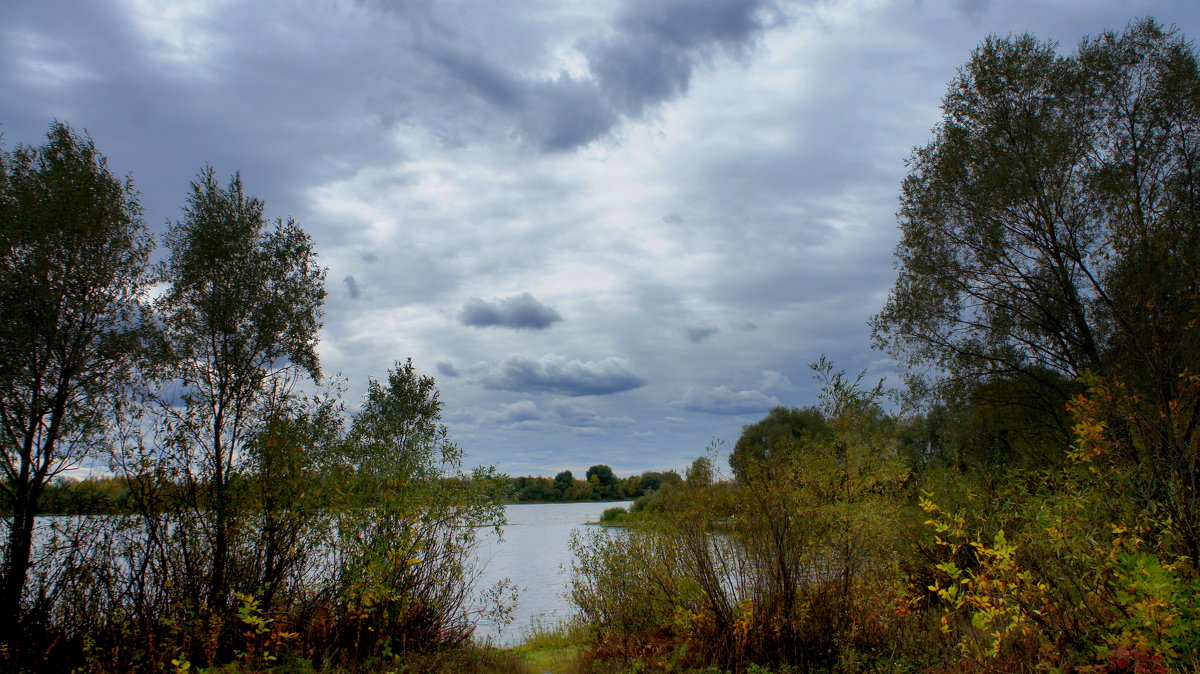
(598, 484)
(111, 495)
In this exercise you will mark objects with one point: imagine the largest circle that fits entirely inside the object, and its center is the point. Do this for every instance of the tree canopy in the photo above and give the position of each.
(1049, 227)
(774, 436)
(241, 317)
(73, 278)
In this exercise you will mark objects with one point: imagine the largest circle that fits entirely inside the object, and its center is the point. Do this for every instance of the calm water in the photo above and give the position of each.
(535, 556)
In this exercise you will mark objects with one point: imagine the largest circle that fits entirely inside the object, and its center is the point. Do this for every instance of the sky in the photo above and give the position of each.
(615, 231)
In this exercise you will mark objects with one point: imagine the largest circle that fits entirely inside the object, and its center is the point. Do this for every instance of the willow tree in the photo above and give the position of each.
(1049, 228)
(73, 277)
(241, 316)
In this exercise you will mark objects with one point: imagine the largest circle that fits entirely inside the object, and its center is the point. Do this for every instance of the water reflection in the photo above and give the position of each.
(535, 556)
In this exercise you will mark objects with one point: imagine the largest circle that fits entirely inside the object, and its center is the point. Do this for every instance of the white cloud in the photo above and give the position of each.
(555, 374)
(723, 400)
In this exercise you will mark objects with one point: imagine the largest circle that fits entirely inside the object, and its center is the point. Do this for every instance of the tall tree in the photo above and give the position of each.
(242, 313)
(1049, 228)
(73, 277)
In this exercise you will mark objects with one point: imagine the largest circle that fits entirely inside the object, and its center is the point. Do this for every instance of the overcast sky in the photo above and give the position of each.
(612, 230)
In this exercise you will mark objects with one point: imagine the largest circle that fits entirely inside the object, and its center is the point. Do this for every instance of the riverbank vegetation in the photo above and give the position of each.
(598, 484)
(1034, 507)
(246, 521)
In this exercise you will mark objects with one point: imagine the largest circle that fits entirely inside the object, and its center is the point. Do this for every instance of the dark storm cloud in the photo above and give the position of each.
(519, 312)
(481, 77)
(657, 46)
(723, 400)
(555, 374)
(282, 116)
(565, 113)
(699, 333)
(648, 56)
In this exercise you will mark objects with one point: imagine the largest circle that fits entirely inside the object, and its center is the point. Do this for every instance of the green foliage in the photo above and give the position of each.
(700, 472)
(241, 313)
(605, 484)
(613, 515)
(781, 430)
(1069, 567)
(653, 480)
(600, 484)
(256, 531)
(403, 532)
(554, 646)
(73, 282)
(604, 475)
(563, 481)
(788, 570)
(1048, 227)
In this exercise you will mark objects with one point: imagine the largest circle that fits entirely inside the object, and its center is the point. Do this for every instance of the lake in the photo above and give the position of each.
(534, 555)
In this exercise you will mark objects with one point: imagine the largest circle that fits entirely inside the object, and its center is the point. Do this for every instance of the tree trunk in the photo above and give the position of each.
(16, 568)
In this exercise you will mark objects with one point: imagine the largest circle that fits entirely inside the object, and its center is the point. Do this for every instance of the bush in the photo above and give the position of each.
(798, 568)
(613, 515)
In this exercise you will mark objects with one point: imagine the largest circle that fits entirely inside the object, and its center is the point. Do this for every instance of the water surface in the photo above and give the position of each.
(535, 556)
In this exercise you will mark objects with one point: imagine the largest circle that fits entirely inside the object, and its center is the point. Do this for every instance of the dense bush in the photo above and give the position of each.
(838, 557)
(797, 567)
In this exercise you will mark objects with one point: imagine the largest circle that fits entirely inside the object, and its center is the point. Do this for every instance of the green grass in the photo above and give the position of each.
(553, 647)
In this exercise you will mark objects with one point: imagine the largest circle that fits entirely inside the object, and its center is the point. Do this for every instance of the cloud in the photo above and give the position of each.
(352, 287)
(447, 369)
(699, 333)
(528, 415)
(775, 381)
(723, 400)
(657, 46)
(515, 413)
(645, 57)
(568, 413)
(519, 312)
(555, 374)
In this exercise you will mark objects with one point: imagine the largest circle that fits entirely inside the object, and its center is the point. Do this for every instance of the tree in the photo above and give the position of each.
(73, 278)
(780, 432)
(605, 481)
(406, 531)
(288, 454)
(563, 481)
(241, 316)
(1049, 228)
(654, 480)
(700, 472)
